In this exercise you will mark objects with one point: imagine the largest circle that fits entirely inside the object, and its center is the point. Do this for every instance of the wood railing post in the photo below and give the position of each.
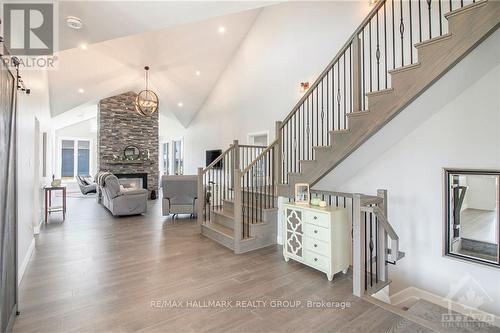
(358, 251)
(200, 201)
(235, 161)
(238, 211)
(356, 74)
(277, 154)
(382, 241)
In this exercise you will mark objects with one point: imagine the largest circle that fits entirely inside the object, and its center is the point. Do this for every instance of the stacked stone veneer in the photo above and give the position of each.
(119, 125)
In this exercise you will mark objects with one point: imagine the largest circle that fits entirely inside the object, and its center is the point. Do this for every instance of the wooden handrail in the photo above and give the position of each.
(264, 152)
(383, 221)
(344, 48)
(252, 146)
(221, 156)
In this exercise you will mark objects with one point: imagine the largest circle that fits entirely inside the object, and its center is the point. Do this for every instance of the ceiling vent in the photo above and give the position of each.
(74, 22)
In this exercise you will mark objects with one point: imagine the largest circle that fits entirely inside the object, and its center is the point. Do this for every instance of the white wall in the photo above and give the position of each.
(456, 123)
(30, 107)
(289, 43)
(86, 129)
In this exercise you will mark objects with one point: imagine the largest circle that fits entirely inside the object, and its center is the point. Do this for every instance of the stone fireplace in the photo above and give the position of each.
(119, 126)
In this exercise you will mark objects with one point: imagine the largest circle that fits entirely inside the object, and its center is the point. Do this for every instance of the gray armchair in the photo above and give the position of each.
(179, 195)
(122, 202)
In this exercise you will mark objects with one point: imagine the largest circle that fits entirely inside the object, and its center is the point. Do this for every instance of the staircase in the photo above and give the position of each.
(239, 210)
(400, 49)
(375, 76)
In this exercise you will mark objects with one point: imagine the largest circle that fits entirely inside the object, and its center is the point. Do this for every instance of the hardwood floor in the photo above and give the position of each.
(96, 273)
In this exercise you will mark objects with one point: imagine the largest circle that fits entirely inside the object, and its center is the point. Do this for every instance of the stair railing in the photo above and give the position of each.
(384, 41)
(371, 250)
(258, 184)
(216, 182)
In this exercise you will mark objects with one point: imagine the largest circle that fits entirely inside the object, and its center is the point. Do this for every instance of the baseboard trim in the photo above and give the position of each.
(416, 293)
(26, 260)
(36, 228)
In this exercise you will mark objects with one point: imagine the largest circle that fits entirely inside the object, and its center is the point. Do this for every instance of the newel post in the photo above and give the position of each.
(238, 210)
(200, 201)
(278, 153)
(356, 74)
(358, 250)
(382, 240)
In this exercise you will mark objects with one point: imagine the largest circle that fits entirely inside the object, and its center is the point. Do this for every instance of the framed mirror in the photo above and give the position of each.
(472, 215)
(131, 153)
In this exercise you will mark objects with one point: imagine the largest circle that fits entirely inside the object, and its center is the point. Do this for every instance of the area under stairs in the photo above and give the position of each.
(468, 27)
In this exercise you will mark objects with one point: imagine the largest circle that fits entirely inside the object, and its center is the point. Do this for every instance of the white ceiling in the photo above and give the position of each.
(110, 19)
(174, 54)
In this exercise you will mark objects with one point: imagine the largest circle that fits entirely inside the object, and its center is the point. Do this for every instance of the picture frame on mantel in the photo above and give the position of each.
(302, 194)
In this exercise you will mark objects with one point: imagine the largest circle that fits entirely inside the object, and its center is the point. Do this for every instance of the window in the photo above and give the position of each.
(75, 158)
(165, 160)
(473, 215)
(178, 157)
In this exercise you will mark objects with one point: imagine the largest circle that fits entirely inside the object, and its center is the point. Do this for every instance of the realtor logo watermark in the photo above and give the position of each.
(30, 34)
(469, 292)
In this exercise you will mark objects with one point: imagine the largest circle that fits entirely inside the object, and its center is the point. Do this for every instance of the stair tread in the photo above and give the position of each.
(433, 40)
(358, 114)
(465, 8)
(404, 68)
(377, 92)
(230, 215)
(342, 131)
(247, 205)
(434, 313)
(221, 229)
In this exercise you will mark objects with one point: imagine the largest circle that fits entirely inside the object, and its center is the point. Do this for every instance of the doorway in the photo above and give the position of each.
(259, 138)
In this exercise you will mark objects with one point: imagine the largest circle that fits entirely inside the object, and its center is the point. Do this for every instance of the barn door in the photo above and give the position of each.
(8, 210)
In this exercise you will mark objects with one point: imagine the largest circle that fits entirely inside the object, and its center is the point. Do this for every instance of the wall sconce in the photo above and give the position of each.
(304, 86)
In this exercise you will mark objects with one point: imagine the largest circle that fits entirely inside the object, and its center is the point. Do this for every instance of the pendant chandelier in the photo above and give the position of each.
(146, 102)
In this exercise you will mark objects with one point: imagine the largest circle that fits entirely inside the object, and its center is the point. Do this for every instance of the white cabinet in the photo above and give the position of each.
(317, 237)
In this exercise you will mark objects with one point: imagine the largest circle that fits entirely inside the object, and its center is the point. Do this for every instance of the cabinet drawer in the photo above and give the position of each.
(317, 246)
(317, 261)
(319, 219)
(313, 231)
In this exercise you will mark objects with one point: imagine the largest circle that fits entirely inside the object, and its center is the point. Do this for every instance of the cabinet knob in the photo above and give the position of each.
(315, 231)
(315, 259)
(315, 217)
(315, 245)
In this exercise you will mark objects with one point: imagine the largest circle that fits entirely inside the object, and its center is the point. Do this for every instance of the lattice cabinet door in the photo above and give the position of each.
(294, 241)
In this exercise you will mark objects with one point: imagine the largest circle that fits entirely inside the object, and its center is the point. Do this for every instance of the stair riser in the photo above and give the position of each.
(307, 166)
(323, 154)
(217, 237)
(339, 139)
(222, 220)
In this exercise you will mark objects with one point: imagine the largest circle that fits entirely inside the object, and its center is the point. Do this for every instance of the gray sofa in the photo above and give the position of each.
(120, 201)
(179, 195)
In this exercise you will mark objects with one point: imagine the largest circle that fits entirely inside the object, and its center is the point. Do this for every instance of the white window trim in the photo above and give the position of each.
(181, 139)
(250, 137)
(75, 166)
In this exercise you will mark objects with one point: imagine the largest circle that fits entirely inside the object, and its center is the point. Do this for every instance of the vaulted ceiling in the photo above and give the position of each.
(176, 39)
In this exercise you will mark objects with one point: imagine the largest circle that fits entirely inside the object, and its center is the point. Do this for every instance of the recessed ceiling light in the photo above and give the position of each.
(81, 91)
(198, 73)
(83, 46)
(222, 29)
(74, 22)
(180, 104)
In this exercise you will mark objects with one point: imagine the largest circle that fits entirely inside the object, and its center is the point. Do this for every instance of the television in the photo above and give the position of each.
(211, 155)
